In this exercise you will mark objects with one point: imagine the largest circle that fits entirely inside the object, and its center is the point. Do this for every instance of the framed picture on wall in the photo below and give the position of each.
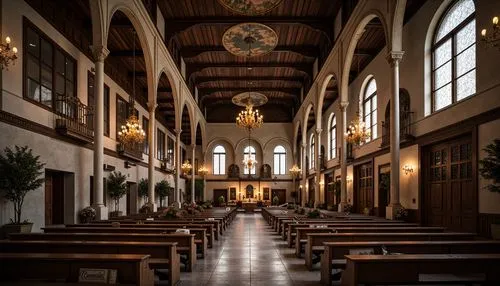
(266, 194)
(232, 194)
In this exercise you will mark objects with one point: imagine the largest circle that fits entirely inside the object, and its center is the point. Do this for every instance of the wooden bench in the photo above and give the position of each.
(422, 268)
(314, 243)
(132, 269)
(333, 256)
(163, 254)
(199, 239)
(185, 242)
(291, 231)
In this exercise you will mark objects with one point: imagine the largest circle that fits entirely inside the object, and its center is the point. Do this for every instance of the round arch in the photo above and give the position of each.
(321, 97)
(305, 119)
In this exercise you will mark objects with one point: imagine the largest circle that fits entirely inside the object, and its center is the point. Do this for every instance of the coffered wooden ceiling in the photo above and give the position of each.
(193, 32)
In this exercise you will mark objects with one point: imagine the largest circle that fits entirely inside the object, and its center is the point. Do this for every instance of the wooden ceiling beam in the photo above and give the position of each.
(275, 101)
(304, 50)
(197, 67)
(126, 53)
(204, 79)
(366, 52)
(210, 90)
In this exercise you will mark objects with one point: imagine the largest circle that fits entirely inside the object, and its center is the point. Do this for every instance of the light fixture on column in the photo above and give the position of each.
(357, 133)
(493, 38)
(186, 167)
(295, 171)
(408, 169)
(7, 54)
(203, 171)
(131, 133)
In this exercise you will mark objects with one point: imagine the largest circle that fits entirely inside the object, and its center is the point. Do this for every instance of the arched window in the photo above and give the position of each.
(311, 152)
(219, 161)
(279, 160)
(454, 55)
(249, 152)
(370, 108)
(332, 135)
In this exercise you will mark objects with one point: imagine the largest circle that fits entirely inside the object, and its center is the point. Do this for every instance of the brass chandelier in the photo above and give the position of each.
(357, 132)
(131, 132)
(493, 38)
(7, 54)
(186, 167)
(249, 118)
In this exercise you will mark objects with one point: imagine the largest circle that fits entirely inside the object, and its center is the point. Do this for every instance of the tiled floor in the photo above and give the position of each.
(250, 253)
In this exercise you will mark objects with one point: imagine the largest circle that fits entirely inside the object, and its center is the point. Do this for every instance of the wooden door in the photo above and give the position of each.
(311, 192)
(54, 197)
(449, 194)
(217, 194)
(48, 199)
(384, 185)
(280, 193)
(363, 188)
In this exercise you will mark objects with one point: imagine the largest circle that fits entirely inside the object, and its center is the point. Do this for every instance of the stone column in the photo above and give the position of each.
(193, 155)
(343, 158)
(100, 54)
(317, 163)
(151, 156)
(394, 58)
(304, 173)
(177, 157)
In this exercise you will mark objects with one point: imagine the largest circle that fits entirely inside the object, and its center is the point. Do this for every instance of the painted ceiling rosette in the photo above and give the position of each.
(250, 7)
(249, 40)
(249, 98)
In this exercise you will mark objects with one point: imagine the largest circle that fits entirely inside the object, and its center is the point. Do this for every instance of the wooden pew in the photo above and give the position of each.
(291, 232)
(314, 243)
(333, 256)
(133, 269)
(163, 254)
(200, 234)
(422, 268)
(185, 246)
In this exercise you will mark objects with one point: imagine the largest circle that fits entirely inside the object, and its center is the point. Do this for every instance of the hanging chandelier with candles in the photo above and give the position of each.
(131, 133)
(186, 167)
(295, 171)
(493, 38)
(7, 54)
(203, 171)
(249, 118)
(357, 133)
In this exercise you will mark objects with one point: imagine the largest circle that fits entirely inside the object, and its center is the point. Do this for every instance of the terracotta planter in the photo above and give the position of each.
(17, 228)
(495, 231)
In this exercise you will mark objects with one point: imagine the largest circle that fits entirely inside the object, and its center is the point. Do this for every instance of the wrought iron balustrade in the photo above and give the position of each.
(73, 118)
(405, 133)
(132, 151)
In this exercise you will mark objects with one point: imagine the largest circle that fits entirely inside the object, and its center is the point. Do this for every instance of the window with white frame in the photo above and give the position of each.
(219, 160)
(249, 153)
(454, 55)
(369, 107)
(279, 160)
(311, 152)
(332, 135)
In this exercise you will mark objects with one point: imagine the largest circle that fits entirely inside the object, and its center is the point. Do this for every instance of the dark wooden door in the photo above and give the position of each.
(311, 192)
(218, 193)
(48, 199)
(54, 197)
(280, 193)
(449, 195)
(384, 183)
(363, 188)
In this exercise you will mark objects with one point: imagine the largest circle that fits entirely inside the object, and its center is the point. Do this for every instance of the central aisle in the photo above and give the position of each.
(250, 253)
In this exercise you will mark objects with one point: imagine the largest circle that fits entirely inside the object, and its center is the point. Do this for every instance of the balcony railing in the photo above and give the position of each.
(404, 129)
(167, 164)
(72, 118)
(132, 151)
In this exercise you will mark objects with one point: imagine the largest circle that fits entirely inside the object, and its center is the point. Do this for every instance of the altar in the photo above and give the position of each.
(249, 207)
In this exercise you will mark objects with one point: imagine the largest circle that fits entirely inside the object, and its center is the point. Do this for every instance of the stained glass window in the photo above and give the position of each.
(219, 163)
(333, 137)
(279, 160)
(370, 108)
(454, 56)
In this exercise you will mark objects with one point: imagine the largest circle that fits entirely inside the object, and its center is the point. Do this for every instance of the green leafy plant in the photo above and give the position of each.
(276, 200)
(142, 189)
(313, 214)
(87, 214)
(401, 213)
(221, 200)
(490, 165)
(20, 172)
(162, 190)
(117, 187)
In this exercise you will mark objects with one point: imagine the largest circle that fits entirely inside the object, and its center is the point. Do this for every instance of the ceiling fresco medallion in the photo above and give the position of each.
(249, 98)
(250, 7)
(249, 40)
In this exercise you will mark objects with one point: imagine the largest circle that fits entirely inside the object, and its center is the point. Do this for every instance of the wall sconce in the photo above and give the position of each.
(408, 169)
(491, 39)
(322, 183)
(349, 179)
(300, 186)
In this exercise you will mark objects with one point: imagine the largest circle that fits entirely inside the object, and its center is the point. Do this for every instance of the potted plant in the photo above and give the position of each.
(222, 201)
(313, 214)
(142, 189)
(490, 170)
(20, 172)
(117, 188)
(276, 201)
(162, 190)
(87, 214)
(199, 185)
(401, 214)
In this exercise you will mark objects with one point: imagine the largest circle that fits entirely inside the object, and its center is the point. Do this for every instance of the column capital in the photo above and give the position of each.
(177, 131)
(394, 57)
(152, 106)
(343, 105)
(318, 131)
(100, 53)
(304, 145)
